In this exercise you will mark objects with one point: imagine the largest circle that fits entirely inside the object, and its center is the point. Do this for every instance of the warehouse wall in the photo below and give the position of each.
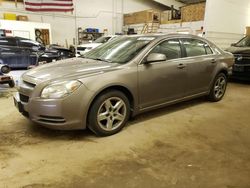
(106, 14)
(226, 20)
(184, 27)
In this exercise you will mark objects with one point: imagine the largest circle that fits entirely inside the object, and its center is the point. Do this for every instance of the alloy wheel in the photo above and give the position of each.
(111, 113)
(220, 87)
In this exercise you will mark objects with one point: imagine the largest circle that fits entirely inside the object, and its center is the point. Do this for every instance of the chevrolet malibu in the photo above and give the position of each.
(122, 78)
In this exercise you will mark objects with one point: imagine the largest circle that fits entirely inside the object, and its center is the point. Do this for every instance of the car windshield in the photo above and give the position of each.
(102, 40)
(245, 42)
(120, 50)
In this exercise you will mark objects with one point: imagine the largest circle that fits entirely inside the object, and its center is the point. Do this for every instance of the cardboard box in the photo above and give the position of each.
(248, 31)
(22, 18)
(193, 12)
(146, 16)
(9, 16)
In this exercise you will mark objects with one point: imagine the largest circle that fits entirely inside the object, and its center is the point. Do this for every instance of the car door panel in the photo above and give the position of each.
(164, 81)
(161, 82)
(200, 63)
(9, 53)
(199, 71)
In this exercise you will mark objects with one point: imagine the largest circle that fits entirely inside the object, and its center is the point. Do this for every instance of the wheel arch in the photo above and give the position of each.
(120, 88)
(223, 70)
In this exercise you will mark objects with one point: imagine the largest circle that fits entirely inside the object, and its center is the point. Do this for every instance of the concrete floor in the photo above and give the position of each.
(195, 144)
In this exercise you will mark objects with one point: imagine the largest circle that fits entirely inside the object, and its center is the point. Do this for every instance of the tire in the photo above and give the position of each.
(113, 109)
(12, 83)
(218, 88)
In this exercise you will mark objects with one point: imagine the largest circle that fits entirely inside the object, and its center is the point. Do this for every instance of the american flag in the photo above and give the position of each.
(49, 5)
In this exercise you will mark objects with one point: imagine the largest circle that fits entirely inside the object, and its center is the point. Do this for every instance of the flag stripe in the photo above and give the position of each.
(49, 5)
(49, 9)
(49, 1)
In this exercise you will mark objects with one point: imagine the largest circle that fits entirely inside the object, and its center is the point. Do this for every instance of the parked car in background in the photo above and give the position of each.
(83, 48)
(122, 78)
(55, 53)
(17, 52)
(6, 79)
(241, 51)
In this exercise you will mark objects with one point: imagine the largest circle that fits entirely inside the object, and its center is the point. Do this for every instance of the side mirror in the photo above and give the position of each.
(5, 69)
(233, 44)
(156, 57)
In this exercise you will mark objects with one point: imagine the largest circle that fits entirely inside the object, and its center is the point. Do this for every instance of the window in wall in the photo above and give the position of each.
(171, 48)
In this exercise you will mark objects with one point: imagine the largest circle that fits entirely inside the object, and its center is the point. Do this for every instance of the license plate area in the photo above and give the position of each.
(238, 68)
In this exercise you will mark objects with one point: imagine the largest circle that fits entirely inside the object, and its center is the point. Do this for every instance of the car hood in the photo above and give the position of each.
(75, 68)
(92, 45)
(239, 50)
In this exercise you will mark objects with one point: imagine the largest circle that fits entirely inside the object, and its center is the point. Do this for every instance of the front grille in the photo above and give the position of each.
(241, 59)
(247, 68)
(24, 98)
(51, 119)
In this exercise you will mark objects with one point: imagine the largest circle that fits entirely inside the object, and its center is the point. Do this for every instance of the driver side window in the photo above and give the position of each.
(171, 48)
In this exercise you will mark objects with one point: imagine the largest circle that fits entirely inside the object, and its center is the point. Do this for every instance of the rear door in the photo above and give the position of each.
(9, 51)
(29, 50)
(201, 62)
(161, 82)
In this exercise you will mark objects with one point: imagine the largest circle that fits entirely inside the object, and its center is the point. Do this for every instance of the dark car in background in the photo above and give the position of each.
(54, 53)
(17, 52)
(241, 52)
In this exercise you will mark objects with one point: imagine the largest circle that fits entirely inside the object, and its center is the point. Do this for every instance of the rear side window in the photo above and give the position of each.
(28, 43)
(171, 48)
(8, 41)
(208, 49)
(196, 47)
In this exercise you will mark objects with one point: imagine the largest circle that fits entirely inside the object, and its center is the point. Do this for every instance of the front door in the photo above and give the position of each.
(164, 81)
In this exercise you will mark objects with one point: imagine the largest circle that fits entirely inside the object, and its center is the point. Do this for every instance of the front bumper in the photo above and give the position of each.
(64, 114)
(241, 72)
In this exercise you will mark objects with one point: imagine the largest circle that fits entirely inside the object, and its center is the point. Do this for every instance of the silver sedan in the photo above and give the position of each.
(127, 76)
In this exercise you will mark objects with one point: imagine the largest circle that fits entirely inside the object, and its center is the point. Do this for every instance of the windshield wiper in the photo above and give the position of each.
(98, 59)
(105, 60)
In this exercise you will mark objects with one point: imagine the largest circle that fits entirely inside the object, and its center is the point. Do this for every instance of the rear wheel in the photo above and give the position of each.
(219, 88)
(109, 113)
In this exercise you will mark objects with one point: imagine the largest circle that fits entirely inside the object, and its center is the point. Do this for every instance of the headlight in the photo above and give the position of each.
(60, 90)
(89, 48)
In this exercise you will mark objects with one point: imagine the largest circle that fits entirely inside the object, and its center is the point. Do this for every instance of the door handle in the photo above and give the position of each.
(181, 66)
(213, 61)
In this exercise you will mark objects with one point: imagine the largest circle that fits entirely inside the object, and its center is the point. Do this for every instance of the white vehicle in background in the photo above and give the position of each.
(83, 48)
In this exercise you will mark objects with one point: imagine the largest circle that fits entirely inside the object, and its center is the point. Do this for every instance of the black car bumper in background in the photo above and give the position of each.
(241, 68)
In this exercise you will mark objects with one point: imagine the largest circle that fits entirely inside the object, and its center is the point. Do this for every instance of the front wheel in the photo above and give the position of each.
(109, 113)
(218, 88)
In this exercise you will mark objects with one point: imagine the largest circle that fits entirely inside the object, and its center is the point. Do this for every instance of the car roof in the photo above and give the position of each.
(163, 35)
(11, 37)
